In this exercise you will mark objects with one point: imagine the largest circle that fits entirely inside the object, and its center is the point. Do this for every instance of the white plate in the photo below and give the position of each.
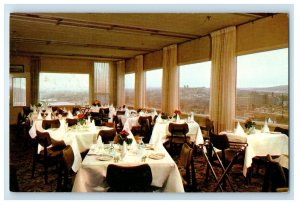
(157, 156)
(104, 157)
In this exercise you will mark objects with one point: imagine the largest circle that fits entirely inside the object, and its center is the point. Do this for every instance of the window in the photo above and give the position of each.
(19, 91)
(262, 86)
(64, 89)
(194, 89)
(153, 88)
(101, 82)
(129, 89)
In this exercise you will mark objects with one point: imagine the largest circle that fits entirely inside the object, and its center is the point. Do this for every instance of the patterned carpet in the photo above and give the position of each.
(21, 158)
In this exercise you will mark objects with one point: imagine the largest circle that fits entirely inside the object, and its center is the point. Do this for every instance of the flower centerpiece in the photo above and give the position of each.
(123, 137)
(176, 112)
(250, 126)
(81, 118)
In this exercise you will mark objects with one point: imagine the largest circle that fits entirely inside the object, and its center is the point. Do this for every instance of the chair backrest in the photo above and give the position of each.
(178, 129)
(209, 125)
(185, 156)
(107, 135)
(104, 111)
(219, 141)
(68, 157)
(43, 138)
(26, 110)
(145, 120)
(274, 176)
(46, 124)
(282, 130)
(71, 121)
(129, 178)
(120, 112)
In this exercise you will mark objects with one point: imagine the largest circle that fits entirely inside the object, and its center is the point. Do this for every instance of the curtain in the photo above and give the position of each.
(120, 83)
(139, 83)
(35, 77)
(112, 76)
(101, 82)
(223, 79)
(170, 87)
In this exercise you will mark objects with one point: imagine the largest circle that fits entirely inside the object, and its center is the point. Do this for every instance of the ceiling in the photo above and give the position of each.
(112, 36)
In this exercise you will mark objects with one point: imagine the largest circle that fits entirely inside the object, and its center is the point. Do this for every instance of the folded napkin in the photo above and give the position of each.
(239, 130)
(70, 115)
(265, 128)
(177, 118)
(48, 117)
(40, 116)
(158, 119)
(192, 116)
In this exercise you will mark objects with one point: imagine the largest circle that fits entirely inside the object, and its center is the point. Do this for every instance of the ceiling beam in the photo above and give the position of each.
(98, 57)
(59, 21)
(85, 45)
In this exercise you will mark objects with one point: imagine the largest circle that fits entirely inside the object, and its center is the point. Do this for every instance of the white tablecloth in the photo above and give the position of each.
(161, 131)
(261, 144)
(91, 175)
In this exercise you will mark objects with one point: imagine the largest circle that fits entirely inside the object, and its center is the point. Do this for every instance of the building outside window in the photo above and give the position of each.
(194, 88)
(129, 89)
(153, 89)
(64, 89)
(262, 86)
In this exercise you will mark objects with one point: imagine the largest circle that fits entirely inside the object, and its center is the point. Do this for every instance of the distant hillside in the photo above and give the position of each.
(275, 89)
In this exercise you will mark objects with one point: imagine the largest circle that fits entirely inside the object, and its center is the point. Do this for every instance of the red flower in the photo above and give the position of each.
(80, 116)
(124, 133)
(177, 112)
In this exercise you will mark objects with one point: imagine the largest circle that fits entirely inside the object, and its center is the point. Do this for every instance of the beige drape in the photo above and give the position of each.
(223, 79)
(170, 85)
(113, 87)
(139, 82)
(35, 77)
(102, 82)
(120, 83)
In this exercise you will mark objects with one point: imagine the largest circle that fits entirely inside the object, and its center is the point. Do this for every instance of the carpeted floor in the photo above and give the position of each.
(21, 158)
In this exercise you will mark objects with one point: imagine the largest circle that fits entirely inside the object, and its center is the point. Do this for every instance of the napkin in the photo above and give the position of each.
(70, 115)
(177, 118)
(239, 130)
(48, 117)
(265, 128)
(40, 116)
(192, 116)
(158, 119)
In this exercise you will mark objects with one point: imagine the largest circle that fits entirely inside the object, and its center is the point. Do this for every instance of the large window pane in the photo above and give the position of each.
(19, 91)
(129, 89)
(64, 89)
(101, 82)
(262, 86)
(153, 88)
(194, 87)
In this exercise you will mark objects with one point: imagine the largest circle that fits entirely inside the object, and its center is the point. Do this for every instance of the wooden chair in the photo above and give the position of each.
(66, 174)
(282, 130)
(231, 153)
(104, 114)
(46, 124)
(186, 161)
(178, 136)
(275, 179)
(129, 178)
(50, 155)
(71, 121)
(117, 121)
(107, 135)
(209, 127)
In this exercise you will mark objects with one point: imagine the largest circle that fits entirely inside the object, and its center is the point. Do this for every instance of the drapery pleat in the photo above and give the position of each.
(139, 82)
(102, 82)
(170, 85)
(112, 83)
(223, 79)
(35, 67)
(120, 83)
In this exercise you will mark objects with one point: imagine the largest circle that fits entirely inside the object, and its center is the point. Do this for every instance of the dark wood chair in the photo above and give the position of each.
(178, 136)
(186, 161)
(46, 124)
(209, 127)
(107, 135)
(129, 178)
(49, 156)
(144, 129)
(118, 121)
(231, 153)
(104, 114)
(71, 121)
(66, 174)
(282, 130)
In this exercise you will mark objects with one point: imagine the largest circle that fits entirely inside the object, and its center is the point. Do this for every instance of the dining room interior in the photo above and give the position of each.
(149, 102)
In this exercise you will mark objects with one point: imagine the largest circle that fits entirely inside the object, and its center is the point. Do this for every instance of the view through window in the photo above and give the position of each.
(64, 89)
(101, 82)
(194, 89)
(262, 86)
(153, 88)
(129, 89)
(19, 91)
